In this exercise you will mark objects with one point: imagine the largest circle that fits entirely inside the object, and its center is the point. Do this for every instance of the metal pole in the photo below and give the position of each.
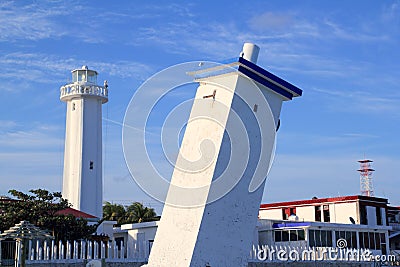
(17, 252)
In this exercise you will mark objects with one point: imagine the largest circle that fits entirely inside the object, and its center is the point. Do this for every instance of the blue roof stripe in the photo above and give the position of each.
(271, 76)
(265, 82)
(290, 224)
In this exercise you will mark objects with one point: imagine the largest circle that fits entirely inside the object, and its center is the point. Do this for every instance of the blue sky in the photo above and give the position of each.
(343, 54)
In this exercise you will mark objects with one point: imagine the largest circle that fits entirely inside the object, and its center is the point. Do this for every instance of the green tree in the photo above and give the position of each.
(41, 208)
(114, 212)
(134, 213)
(137, 213)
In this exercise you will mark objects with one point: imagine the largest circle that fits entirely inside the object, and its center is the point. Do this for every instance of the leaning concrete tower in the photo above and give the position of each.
(211, 210)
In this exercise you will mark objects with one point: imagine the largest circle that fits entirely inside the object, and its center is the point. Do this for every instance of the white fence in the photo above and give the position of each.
(80, 251)
(77, 251)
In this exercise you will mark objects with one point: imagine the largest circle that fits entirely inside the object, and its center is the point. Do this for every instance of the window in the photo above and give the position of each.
(262, 237)
(349, 236)
(293, 235)
(119, 241)
(285, 236)
(91, 165)
(289, 235)
(278, 236)
(320, 238)
(378, 216)
(317, 213)
(284, 215)
(327, 217)
(354, 239)
(150, 245)
(73, 106)
(365, 238)
(301, 235)
(255, 107)
(287, 212)
(292, 211)
(363, 214)
(373, 240)
(377, 241)
(383, 243)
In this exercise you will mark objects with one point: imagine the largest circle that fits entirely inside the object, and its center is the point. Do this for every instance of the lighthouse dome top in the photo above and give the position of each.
(84, 75)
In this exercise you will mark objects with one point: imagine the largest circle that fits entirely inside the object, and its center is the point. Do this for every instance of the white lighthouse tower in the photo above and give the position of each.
(82, 179)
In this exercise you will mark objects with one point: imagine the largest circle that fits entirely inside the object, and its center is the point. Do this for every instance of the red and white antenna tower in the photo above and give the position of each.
(366, 177)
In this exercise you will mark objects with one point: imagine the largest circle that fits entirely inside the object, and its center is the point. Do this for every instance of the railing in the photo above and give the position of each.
(78, 251)
(73, 89)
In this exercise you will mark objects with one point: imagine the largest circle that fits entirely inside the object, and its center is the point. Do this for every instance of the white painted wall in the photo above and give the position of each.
(140, 235)
(179, 227)
(340, 212)
(219, 233)
(82, 186)
(306, 213)
(271, 214)
(106, 227)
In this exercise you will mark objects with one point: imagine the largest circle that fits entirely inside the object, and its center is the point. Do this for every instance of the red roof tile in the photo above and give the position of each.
(75, 213)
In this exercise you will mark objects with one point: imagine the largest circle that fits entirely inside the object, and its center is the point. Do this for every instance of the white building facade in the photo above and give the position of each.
(347, 210)
(360, 220)
(314, 231)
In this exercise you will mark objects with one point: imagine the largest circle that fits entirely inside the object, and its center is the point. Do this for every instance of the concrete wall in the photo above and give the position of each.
(82, 185)
(218, 233)
(272, 214)
(306, 213)
(141, 235)
(179, 225)
(340, 212)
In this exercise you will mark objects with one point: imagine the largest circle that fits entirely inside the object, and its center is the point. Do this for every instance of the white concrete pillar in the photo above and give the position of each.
(216, 188)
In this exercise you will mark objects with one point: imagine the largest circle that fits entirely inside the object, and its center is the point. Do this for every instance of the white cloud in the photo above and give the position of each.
(19, 138)
(366, 102)
(49, 69)
(340, 32)
(7, 125)
(270, 21)
(33, 21)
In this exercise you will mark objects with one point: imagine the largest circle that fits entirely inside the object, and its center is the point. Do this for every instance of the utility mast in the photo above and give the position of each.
(366, 177)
